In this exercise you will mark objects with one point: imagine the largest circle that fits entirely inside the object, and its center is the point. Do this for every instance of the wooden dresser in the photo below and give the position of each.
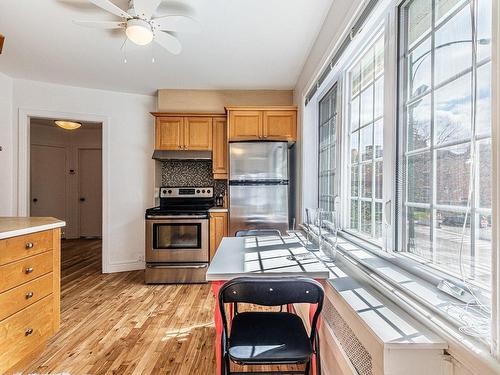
(30, 264)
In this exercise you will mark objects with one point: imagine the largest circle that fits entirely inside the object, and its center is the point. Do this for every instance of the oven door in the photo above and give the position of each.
(179, 239)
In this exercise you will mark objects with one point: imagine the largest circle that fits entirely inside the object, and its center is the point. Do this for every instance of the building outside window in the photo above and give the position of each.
(365, 128)
(445, 136)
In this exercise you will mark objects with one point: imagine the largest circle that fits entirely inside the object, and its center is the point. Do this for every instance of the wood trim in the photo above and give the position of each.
(188, 114)
(262, 108)
(56, 281)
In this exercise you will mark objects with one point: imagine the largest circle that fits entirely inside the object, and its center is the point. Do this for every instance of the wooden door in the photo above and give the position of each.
(198, 133)
(169, 133)
(90, 192)
(218, 230)
(245, 125)
(48, 181)
(280, 125)
(219, 153)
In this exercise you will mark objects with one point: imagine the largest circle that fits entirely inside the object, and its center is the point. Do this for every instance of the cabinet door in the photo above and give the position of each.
(198, 133)
(245, 125)
(280, 125)
(169, 133)
(218, 230)
(219, 153)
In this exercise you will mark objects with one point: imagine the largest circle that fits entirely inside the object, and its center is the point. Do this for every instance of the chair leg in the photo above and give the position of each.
(308, 368)
(318, 356)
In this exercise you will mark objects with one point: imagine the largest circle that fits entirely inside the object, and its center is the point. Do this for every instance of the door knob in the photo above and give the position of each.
(82, 199)
(35, 200)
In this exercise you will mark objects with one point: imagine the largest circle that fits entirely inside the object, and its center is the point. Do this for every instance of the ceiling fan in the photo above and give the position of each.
(140, 25)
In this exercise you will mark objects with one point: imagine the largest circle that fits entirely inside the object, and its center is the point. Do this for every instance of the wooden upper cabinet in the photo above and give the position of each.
(169, 133)
(280, 125)
(198, 133)
(245, 125)
(219, 148)
(262, 123)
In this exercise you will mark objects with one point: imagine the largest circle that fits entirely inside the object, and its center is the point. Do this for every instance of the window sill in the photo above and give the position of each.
(422, 300)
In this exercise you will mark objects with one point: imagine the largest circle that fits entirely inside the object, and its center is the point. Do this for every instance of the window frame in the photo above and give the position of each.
(436, 271)
(379, 31)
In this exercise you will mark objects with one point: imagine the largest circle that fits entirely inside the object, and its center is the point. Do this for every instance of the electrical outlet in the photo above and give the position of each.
(140, 257)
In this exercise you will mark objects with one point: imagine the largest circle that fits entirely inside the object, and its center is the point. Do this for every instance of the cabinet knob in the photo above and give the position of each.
(28, 270)
(28, 332)
(29, 295)
(29, 245)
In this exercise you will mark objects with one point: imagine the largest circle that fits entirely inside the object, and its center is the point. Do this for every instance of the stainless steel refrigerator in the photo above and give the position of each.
(258, 186)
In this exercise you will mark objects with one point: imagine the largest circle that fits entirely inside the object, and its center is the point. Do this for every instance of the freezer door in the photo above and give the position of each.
(258, 206)
(258, 161)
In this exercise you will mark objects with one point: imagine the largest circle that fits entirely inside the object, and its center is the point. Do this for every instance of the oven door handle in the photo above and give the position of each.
(197, 266)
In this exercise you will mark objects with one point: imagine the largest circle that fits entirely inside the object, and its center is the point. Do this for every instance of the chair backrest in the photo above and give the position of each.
(272, 291)
(258, 232)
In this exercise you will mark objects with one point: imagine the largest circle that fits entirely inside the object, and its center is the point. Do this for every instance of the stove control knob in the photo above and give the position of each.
(164, 191)
(203, 191)
(198, 191)
(208, 191)
(170, 191)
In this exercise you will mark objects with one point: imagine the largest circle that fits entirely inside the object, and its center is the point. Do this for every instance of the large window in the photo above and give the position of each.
(445, 135)
(366, 125)
(327, 159)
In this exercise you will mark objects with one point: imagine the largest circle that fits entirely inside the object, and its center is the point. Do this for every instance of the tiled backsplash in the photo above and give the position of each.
(176, 173)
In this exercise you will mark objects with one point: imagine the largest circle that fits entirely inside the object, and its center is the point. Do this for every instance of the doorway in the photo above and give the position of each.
(66, 183)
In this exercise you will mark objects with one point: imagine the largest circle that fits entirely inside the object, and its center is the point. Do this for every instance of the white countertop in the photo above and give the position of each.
(11, 226)
(264, 256)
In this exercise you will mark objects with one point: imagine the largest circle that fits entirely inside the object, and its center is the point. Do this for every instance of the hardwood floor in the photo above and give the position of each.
(115, 324)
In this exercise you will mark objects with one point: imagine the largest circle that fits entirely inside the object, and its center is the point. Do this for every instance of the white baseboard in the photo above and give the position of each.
(123, 267)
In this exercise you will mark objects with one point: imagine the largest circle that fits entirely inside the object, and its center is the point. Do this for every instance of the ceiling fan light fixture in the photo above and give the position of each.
(68, 125)
(139, 32)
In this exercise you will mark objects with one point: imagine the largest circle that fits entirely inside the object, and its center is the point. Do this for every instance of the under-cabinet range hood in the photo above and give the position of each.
(181, 155)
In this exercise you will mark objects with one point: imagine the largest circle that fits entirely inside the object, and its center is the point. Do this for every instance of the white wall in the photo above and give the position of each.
(6, 202)
(128, 139)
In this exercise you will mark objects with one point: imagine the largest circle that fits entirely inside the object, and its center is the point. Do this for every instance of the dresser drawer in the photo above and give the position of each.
(24, 270)
(16, 248)
(24, 295)
(24, 331)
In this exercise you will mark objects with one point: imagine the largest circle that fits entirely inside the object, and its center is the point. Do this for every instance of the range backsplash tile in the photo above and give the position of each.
(176, 173)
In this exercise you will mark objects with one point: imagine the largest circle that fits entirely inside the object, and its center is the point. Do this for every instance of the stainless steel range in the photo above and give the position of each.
(177, 237)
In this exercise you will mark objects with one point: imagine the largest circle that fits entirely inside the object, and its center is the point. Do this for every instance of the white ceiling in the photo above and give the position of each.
(245, 44)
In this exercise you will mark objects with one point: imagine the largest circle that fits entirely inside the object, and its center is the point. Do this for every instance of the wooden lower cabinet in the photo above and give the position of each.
(218, 230)
(29, 295)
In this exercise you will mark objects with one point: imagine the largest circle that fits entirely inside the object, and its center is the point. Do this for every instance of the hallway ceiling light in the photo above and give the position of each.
(68, 125)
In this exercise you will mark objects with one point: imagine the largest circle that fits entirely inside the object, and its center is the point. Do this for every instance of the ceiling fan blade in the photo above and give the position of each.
(102, 24)
(181, 24)
(146, 8)
(168, 41)
(111, 8)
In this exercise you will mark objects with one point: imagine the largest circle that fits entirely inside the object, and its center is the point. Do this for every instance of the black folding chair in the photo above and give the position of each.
(258, 232)
(269, 338)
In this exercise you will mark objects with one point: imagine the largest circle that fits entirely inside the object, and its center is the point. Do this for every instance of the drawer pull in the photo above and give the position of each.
(29, 245)
(29, 295)
(28, 270)
(28, 332)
